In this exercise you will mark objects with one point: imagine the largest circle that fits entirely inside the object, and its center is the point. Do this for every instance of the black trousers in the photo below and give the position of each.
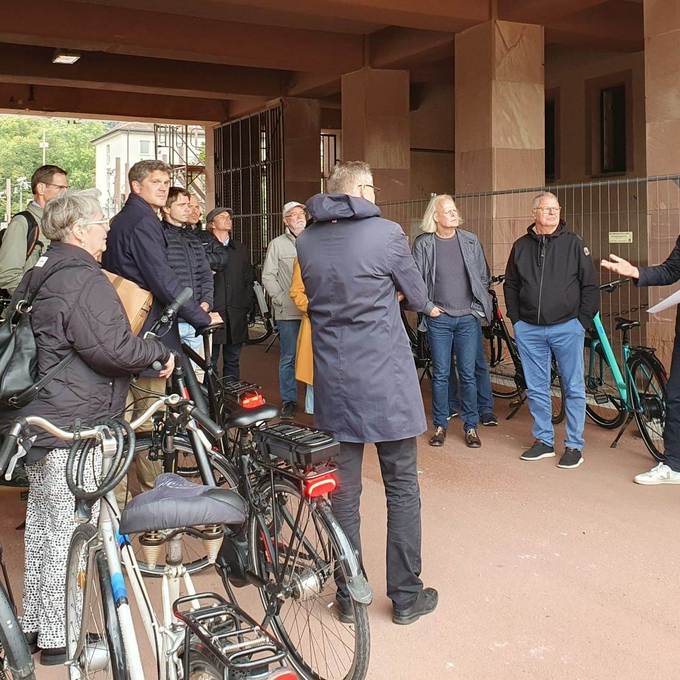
(231, 355)
(400, 477)
(671, 433)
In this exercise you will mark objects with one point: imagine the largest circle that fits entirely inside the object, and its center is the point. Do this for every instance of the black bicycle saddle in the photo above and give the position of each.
(175, 502)
(245, 417)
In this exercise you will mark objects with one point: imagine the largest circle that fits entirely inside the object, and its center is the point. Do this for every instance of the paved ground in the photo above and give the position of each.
(542, 573)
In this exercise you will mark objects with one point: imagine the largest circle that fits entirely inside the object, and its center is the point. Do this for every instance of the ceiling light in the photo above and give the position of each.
(65, 57)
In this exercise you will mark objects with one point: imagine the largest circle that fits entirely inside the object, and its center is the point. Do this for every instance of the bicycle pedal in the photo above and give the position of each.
(600, 398)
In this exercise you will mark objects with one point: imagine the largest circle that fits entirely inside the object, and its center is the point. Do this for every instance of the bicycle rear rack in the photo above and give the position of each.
(228, 633)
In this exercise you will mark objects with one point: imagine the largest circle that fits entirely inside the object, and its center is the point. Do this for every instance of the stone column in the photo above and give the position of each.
(376, 127)
(499, 105)
(662, 93)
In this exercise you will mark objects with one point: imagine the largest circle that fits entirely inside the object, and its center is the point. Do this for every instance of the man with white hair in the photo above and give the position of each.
(551, 295)
(277, 274)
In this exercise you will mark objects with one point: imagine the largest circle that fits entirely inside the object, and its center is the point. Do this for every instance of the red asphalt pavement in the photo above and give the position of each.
(542, 573)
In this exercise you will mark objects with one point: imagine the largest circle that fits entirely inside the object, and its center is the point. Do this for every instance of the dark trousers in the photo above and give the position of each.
(231, 355)
(671, 433)
(400, 477)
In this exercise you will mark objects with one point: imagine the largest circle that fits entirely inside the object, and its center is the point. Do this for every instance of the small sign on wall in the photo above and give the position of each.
(620, 237)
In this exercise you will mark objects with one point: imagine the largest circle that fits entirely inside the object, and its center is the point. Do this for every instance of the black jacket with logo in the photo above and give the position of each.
(550, 279)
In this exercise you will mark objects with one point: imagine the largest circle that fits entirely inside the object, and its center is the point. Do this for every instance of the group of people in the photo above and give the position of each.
(337, 277)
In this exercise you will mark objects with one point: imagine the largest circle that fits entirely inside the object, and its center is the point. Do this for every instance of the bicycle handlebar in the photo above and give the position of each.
(611, 286)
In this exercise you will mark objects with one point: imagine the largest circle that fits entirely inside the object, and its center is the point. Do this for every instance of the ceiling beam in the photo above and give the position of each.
(542, 11)
(150, 34)
(85, 103)
(124, 73)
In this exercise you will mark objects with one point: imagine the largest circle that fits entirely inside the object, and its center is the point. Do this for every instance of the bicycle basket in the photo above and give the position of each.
(296, 444)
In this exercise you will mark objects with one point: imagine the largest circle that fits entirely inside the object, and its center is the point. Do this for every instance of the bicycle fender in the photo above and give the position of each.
(358, 585)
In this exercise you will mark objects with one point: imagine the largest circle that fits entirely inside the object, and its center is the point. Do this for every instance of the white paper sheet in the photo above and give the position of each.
(665, 303)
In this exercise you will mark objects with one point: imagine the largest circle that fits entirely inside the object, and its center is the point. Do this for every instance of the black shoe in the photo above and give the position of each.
(472, 439)
(439, 436)
(571, 458)
(53, 657)
(288, 409)
(344, 610)
(425, 603)
(538, 450)
(489, 420)
(32, 641)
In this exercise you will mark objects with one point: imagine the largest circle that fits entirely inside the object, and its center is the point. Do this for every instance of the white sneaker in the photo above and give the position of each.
(660, 474)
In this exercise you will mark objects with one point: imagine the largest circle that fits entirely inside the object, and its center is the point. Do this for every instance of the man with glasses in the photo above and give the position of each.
(551, 295)
(23, 241)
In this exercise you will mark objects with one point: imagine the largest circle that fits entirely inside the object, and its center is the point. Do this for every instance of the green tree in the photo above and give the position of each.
(70, 147)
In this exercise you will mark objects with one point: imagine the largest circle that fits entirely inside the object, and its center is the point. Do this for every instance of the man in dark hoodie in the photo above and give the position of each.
(355, 265)
(551, 295)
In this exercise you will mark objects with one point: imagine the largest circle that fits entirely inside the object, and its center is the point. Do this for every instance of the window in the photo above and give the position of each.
(144, 147)
(613, 129)
(551, 169)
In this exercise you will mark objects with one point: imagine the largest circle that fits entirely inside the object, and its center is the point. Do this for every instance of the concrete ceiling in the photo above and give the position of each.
(216, 58)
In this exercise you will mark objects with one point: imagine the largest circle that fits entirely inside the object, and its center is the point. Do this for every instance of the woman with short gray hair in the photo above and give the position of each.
(76, 316)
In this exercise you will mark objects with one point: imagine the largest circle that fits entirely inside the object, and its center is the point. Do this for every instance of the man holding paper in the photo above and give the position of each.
(662, 275)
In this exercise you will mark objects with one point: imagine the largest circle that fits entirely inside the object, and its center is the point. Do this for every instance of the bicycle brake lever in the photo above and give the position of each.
(21, 452)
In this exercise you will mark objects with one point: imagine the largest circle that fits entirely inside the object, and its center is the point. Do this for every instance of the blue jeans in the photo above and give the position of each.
(460, 335)
(484, 394)
(288, 334)
(309, 400)
(565, 342)
(187, 334)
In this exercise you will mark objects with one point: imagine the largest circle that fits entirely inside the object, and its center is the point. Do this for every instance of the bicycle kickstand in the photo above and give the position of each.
(516, 405)
(622, 429)
(272, 341)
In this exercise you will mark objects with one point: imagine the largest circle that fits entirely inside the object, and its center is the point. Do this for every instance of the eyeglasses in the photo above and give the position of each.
(450, 213)
(371, 186)
(549, 211)
(102, 221)
(62, 187)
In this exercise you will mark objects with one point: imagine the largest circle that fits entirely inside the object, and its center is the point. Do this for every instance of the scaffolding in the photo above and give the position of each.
(183, 148)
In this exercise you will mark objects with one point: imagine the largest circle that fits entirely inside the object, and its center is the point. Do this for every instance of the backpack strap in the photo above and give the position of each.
(32, 233)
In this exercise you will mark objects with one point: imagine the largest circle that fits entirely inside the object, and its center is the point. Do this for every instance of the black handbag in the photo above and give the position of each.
(19, 382)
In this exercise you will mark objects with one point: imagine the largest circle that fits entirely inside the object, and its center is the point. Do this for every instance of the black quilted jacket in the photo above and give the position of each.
(78, 309)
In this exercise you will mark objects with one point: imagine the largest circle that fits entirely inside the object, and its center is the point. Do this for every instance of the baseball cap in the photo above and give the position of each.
(290, 205)
(215, 212)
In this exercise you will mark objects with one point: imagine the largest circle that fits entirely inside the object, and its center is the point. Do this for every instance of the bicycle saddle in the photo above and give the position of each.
(624, 324)
(175, 502)
(246, 417)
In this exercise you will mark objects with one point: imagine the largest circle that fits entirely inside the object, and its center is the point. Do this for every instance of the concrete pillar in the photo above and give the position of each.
(301, 149)
(499, 102)
(209, 168)
(376, 127)
(662, 112)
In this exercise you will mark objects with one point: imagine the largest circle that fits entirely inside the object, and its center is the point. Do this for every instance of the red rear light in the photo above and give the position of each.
(185, 393)
(251, 400)
(283, 674)
(320, 486)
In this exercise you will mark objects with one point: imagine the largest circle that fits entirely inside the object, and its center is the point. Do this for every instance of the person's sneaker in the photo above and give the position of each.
(344, 610)
(453, 414)
(425, 603)
(571, 458)
(538, 450)
(288, 409)
(472, 439)
(489, 420)
(659, 474)
(437, 439)
(53, 657)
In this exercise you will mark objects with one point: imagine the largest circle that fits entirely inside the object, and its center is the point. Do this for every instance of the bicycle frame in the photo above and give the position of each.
(603, 341)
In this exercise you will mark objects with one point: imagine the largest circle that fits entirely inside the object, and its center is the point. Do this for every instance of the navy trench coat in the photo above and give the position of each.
(353, 262)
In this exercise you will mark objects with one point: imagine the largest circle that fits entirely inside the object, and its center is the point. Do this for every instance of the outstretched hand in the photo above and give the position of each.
(620, 266)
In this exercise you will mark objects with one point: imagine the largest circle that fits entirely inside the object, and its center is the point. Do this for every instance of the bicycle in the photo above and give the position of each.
(615, 396)
(15, 657)
(200, 635)
(505, 363)
(260, 324)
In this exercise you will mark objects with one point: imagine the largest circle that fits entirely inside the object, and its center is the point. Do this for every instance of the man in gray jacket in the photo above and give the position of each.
(277, 274)
(23, 242)
(355, 266)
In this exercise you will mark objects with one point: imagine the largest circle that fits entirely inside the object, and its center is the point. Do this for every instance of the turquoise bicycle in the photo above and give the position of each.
(615, 396)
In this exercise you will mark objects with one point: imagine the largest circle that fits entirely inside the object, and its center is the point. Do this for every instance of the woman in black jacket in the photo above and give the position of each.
(76, 311)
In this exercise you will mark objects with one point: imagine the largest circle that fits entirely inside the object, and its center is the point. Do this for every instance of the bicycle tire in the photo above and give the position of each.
(648, 373)
(600, 384)
(503, 368)
(104, 652)
(556, 395)
(16, 662)
(309, 587)
(184, 464)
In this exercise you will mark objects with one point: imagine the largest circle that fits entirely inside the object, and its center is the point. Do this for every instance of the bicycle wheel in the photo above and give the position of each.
(649, 381)
(603, 401)
(91, 614)
(557, 415)
(202, 665)
(502, 368)
(300, 587)
(259, 328)
(183, 464)
(15, 657)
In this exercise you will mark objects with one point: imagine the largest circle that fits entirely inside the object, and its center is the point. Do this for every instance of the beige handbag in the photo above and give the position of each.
(135, 300)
